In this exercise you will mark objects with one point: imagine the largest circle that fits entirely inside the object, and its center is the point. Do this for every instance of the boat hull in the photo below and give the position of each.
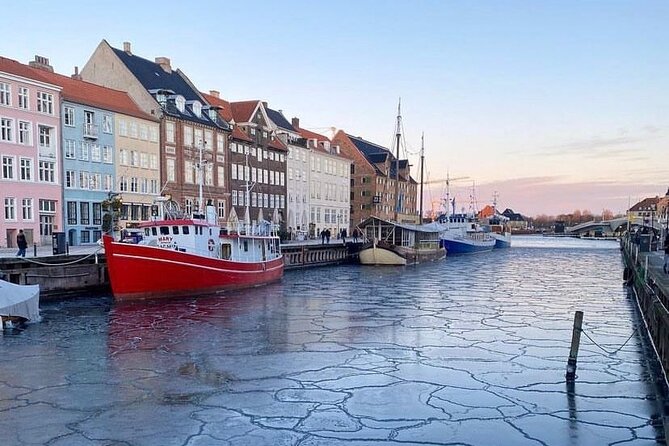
(398, 256)
(502, 241)
(467, 246)
(143, 272)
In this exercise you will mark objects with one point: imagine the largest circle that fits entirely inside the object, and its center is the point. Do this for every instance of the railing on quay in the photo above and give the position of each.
(651, 295)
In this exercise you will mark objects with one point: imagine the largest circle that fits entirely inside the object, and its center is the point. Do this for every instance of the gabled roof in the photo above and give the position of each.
(16, 68)
(366, 147)
(243, 111)
(86, 93)
(308, 134)
(277, 118)
(237, 133)
(276, 143)
(154, 78)
(225, 111)
(647, 204)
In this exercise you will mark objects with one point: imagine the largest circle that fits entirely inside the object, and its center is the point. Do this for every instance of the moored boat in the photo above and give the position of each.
(399, 244)
(18, 303)
(191, 255)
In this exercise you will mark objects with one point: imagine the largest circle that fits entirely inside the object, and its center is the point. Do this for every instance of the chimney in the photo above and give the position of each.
(164, 63)
(41, 63)
(215, 93)
(76, 74)
(295, 123)
(126, 47)
(264, 103)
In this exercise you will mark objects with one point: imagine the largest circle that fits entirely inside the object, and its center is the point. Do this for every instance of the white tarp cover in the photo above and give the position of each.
(19, 300)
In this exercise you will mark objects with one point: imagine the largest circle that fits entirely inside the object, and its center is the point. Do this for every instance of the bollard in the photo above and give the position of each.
(645, 271)
(34, 249)
(575, 341)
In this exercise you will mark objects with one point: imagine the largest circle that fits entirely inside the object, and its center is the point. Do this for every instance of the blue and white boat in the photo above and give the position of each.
(496, 224)
(465, 236)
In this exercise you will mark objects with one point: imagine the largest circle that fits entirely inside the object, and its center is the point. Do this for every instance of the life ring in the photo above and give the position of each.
(211, 244)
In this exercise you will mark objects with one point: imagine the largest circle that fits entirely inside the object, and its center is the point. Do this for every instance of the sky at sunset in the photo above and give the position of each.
(557, 105)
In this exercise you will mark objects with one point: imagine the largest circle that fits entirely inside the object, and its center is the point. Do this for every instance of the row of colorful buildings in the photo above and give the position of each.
(129, 128)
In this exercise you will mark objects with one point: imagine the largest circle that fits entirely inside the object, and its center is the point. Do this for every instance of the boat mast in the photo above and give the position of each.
(422, 166)
(398, 136)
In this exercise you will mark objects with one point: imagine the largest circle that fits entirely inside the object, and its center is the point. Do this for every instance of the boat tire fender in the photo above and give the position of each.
(211, 244)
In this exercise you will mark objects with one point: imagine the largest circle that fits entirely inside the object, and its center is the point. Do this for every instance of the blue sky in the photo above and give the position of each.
(558, 105)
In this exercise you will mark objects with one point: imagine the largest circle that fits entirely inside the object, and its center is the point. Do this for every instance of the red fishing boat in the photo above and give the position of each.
(180, 256)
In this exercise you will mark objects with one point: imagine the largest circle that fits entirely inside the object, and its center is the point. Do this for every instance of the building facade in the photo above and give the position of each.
(375, 172)
(190, 129)
(30, 182)
(329, 184)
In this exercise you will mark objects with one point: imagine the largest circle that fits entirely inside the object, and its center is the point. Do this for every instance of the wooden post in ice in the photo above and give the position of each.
(645, 271)
(573, 351)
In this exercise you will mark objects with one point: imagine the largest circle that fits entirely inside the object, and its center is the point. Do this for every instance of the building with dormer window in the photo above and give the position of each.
(189, 126)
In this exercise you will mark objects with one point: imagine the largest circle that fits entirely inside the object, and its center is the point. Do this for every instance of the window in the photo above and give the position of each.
(144, 185)
(153, 133)
(7, 168)
(133, 129)
(153, 162)
(188, 206)
(198, 137)
(180, 102)
(144, 160)
(107, 154)
(85, 148)
(143, 132)
(47, 171)
(45, 103)
(171, 169)
(220, 143)
(47, 206)
(24, 133)
(27, 209)
(85, 235)
(209, 174)
(84, 180)
(254, 199)
(10, 208)
(122, 127)
(234, 172)
(68, 116)
(107, 124)
(108, 182)
(70, 179)
(123, 184)
(24, 98)
(97, 214)
(26, 169)
(134, 158)
(209, 140)
(188, 171)
(188, 135)
(265, 200)
(282, 177)
(5, 94)
(45, 136)
(133, 184)
(124, 157)
(169, 132)
(234, 198)
(221, 176)
(221, 208)
(85, 217)
(96, 181)
(6, 129)
(70, 149)
(96, 154)
(153, 187)
(71, 212)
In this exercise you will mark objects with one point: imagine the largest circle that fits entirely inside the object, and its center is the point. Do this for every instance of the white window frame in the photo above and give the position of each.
(26, 169)
(68, 116)
(24, 98)
(5, 94)
(45, 102)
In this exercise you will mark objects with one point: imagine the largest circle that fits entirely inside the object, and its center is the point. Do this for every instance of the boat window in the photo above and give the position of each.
(246, 246)
(147, 231)
(175, 230)
(154, 231)
(226, 251)
(164, 230)
(185, 230)
(210, 232)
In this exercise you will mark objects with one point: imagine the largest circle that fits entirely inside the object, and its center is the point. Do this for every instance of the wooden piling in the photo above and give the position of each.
(575, 341)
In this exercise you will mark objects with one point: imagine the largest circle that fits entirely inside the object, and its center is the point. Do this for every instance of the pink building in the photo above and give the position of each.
(30, 185)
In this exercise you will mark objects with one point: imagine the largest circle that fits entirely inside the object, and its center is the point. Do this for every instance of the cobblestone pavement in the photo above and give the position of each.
(469, 351)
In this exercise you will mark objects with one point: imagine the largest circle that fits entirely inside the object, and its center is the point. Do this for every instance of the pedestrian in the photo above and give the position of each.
(323, 237)
(327, 235)
(343, 236)
(666, 254)
(355, 235)
(21, 243)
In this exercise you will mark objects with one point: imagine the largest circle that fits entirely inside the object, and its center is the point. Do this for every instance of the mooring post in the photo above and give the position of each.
(575, 341)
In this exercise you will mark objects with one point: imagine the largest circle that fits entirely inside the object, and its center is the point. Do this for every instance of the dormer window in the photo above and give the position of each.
(180, 102)
(212, 114)
(197, 108)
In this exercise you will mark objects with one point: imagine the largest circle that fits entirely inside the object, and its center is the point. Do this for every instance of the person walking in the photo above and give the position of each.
(355, 235)
(22, 243)
(666, 254)
(327, 235)
(323, 237)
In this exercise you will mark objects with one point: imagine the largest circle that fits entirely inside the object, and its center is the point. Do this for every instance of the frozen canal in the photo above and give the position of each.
(470, 351)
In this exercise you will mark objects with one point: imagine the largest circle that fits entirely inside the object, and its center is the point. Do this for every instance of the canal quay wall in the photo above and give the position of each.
(644, 274)
(86, 272)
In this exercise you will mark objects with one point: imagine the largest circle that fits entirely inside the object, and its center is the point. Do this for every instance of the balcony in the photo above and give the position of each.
(90, 131)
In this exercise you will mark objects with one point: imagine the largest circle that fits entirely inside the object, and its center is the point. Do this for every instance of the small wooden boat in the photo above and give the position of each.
(18, 303)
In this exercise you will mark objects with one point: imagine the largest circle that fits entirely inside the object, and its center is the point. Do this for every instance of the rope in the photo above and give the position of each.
(605, 350)
(63, 264)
